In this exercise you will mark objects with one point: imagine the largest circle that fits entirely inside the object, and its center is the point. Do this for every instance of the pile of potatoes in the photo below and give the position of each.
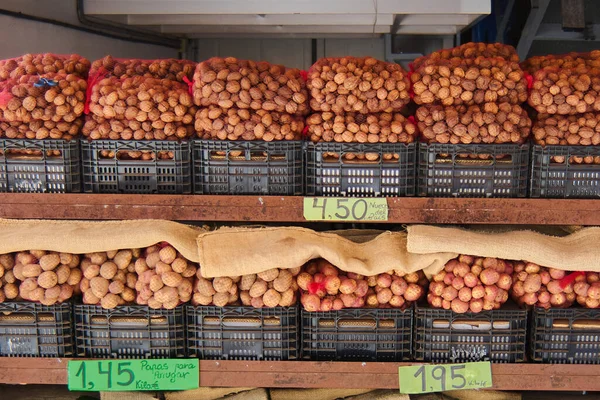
(46, 277)
(471, 284)
(271, 288)
(325, 288)
(470, 50)
(216, 123)
(9, 287)
(574, 130)
(539, 286)
(587, 288)
(165, 278)
(249, 85)
(357, 85)
(171, 69)
(486, 123)
(360, 128)
(469, 81)
(41, 64)
(140, 108)
(566, 91)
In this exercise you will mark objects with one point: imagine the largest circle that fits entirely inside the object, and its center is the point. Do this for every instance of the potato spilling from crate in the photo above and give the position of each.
(541, 287)
(249, 85)
(46, 277)
(216, 123)
(41, 64)
(566, 91)
(574, 130)
(109, 278)
(325, 288)
(471, 284)
(165, 278)
(141, 109)
(361, 128)
(469, 81)
(357, 85)
(171, 69)
(487, 123)
(271, 288)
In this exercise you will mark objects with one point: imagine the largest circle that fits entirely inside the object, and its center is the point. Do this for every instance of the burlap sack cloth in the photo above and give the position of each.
(578, 251)
(79, 237)
(240, 251)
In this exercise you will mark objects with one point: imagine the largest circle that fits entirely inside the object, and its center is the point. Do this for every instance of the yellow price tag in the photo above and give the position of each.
(345, 209)
(439, 378)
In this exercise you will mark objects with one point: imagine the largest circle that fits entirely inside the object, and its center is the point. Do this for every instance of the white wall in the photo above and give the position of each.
(21, 36)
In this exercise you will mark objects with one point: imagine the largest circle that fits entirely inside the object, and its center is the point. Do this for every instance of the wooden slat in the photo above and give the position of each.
(311, 374)
(289, 209)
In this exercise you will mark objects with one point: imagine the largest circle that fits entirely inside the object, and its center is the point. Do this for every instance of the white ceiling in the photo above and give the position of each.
(209, 18)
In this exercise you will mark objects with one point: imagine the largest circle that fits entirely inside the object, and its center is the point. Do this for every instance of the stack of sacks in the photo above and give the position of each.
(565, 94)
(42, 96)
(140, 100)
(471, 94)
(248, 100)
(358, 100)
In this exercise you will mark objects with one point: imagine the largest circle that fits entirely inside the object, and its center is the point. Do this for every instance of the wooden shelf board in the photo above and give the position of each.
(311, 374)
(289, 209)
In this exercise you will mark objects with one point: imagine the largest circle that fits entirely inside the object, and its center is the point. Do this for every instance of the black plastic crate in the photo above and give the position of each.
(116, 174)
(232, 167)
(442, 172)
(44, 171)
(553, 179)
(443, 336)
(242, 333)
(129, 332)
(333, 175)
(34, 330)
(359, 334)
(565, 336)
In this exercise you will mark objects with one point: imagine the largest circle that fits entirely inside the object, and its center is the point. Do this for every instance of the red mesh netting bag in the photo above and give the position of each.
(360, 85)
(361, 128)
(139, 108)
(46, 63)
(215, 123)
(574, 130)
(488, 123)
(570, 60)
(470, 50)
(171, 69)
(232, 83)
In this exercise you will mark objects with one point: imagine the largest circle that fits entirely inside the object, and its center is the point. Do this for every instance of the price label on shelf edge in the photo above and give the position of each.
(133, 375)
(345, 209)
(439, 378)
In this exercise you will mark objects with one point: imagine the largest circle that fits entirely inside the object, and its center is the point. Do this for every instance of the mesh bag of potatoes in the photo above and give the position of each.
(544, 287)
(52, 104)
(470, 50)
(469, 81)
(271, 288)
(232, 83)
(361, 128)
(487, 123)
(570, 60)
(214, 123)
(38, 129)
(566, 91)
(325, 288)
(471, 284)
(42, 64)
(171, 69)
(359, 85)
(46, 277)
(139, 108)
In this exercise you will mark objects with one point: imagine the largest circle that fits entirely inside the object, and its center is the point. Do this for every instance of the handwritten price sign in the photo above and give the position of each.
(345, 209)
(439, 378)
(116, 375)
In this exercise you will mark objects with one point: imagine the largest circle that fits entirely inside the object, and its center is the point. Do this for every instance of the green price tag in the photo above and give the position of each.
(125, 375)
(439, 378)
(345, 209)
